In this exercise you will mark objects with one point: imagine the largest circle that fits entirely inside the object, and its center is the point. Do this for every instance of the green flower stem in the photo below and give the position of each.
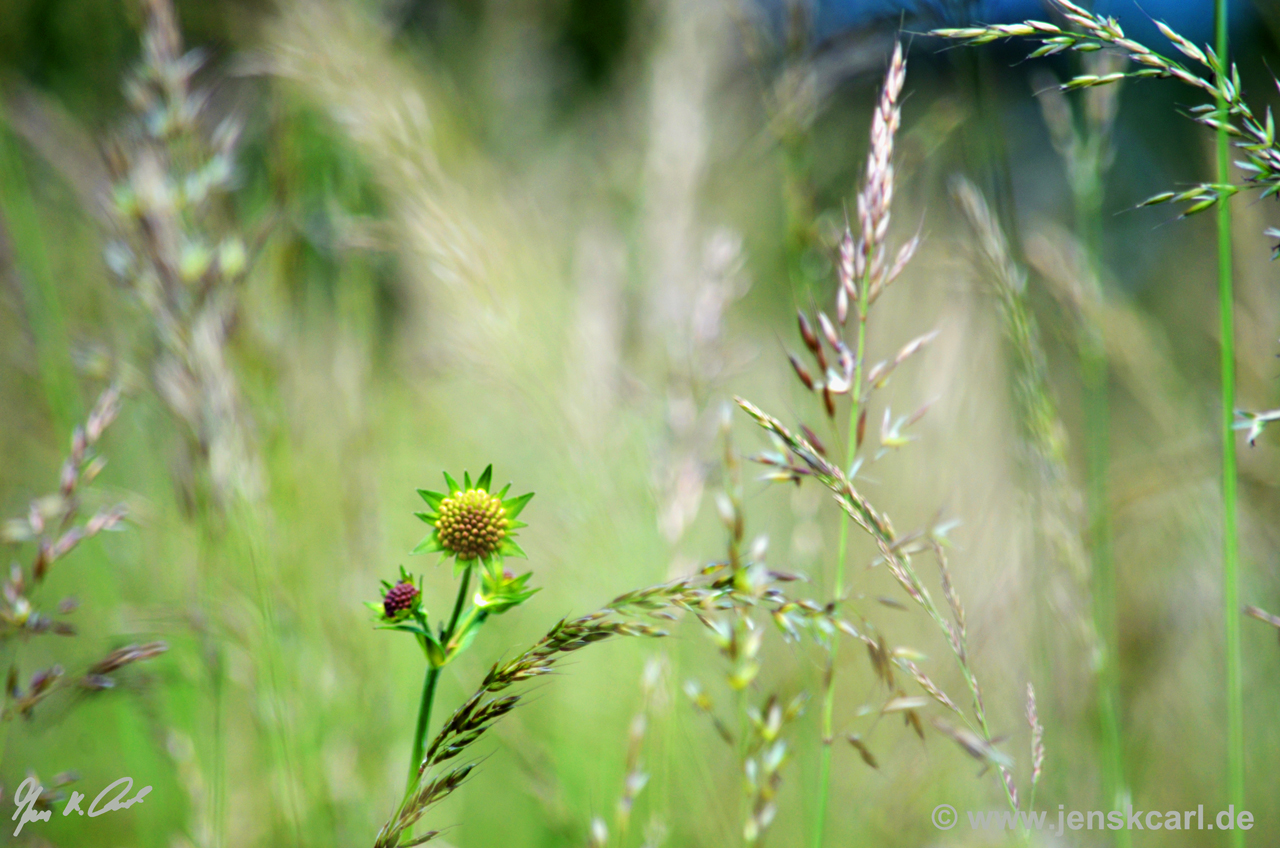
(475, 617)
(829, 696)
(1230, 551)
(429, 686)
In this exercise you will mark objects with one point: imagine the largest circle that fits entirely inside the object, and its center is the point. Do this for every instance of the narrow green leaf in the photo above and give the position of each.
(429, 545)
(433, 499)
(453, 484)
(466, 480)
(510, 547)
(464, 640)
(516, 505)
(406, 626)
(485, 478)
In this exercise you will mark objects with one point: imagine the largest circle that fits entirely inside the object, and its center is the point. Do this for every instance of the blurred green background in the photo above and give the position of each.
(559, 237)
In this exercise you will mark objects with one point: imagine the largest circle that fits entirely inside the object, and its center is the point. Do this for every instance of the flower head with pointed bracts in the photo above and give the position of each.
(471, 523)
(400, 599)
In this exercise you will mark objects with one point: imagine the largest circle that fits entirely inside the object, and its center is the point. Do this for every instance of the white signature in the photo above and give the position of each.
(29, 792)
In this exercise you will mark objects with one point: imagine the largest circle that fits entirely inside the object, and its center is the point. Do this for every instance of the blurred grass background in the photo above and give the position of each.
(558, 237)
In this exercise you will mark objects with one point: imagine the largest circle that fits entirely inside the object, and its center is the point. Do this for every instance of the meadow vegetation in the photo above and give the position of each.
(887, 394)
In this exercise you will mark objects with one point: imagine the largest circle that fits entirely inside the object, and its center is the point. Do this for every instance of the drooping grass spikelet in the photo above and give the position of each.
(1251, 134)
(53, 524)
(896, 553)
(478, 713)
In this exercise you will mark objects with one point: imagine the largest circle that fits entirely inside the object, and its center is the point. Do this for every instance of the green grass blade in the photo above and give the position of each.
(1230, 541)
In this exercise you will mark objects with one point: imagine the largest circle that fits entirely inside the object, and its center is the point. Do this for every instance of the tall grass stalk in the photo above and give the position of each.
(1095, 380)
(1230, 542)
(829, 696)
(863, 274)
(1231, 117)
(252, 518)
(1058, 520)
(1094, 374)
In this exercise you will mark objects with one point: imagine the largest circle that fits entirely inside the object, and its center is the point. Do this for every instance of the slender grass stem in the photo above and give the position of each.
(429, 686)
(1095, 379)
(1230, 543)
(1093, 366)
(255, 544)
(744, 798)
(828, 696)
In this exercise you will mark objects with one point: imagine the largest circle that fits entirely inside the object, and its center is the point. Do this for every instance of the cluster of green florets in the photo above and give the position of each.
(472, 524)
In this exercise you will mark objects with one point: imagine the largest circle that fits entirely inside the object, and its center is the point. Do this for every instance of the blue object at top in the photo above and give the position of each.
(1191, 18)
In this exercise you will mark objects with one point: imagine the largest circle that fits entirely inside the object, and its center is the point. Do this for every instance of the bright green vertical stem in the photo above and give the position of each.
(1230, 544)
(429, 684)
(829, 696)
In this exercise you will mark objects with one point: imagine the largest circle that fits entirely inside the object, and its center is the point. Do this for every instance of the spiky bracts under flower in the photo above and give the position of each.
(400, 606)
(500, 590)
(470, 523)
(1253, 136)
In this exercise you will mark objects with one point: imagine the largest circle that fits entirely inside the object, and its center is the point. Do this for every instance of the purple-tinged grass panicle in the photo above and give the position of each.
(897, 553)
(1037, 744)
(172, 250)
(53, 525)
